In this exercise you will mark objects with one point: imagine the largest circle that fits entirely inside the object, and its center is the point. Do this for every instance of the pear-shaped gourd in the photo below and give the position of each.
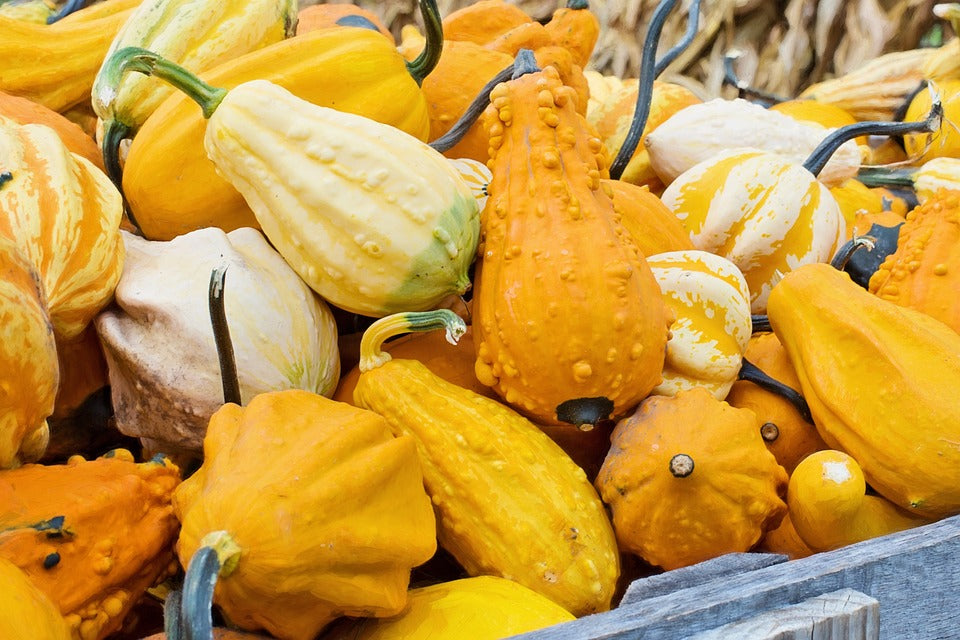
(164, 374)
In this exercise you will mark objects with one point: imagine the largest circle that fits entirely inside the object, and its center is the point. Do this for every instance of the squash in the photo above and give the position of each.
(25, 612)
(920, 274)
(482, 21)
(489, 606)
(925, 180)
(648, 222)
(688, 479)
(785, 540)
(195, 34)
(842, 339)
(303, 510)
(355, 70)
(92, 535)
(555, 261)
(164, 376)
(509, 501)
(36, 11)
(786, 432)
(711, 306)
(24, 111)
(334, 14)
(55, 64)
(944, 142)
(830, 509)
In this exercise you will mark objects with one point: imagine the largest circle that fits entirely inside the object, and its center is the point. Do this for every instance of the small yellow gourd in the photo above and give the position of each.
(25, 612)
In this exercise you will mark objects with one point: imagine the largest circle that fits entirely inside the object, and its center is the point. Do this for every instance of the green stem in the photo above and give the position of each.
(744, 90)
(760, 323)
(751, 373)
(171, 615)
(221, 336)
(148, 63)
(846, 251)
(114, 132)
(70, 6)
(372, 354)
(645, 91)
(886, 177)
(693, 22)
(424, 63)
(578, 4)
(217, 556)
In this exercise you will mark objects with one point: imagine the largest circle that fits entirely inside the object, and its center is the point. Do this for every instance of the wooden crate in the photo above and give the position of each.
(904, 586)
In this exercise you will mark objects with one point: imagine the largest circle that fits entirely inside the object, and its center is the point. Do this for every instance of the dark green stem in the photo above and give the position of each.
(523, 64)
(821, 155)
(751, 373)
(221, 336)
(645, 92)
(353, 20)
(846, 251)
(114, 133)
(744, 90)
(578, 4)
(886, 177)
(70, 6)
(148, 63)
(172, 610)
(693, 22)
(760, 323)
(424, 63)
(196, 613)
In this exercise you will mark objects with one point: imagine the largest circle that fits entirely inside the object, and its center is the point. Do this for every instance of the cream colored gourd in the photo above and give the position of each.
(711, 306)
(700, 131)
(764, 212)
(164, 373)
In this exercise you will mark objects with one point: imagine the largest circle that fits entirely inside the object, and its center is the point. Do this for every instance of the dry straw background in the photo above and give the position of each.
(786, 44)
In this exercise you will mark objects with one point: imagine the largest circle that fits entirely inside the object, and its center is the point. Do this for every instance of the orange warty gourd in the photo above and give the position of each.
(649, 223)
(555, 261)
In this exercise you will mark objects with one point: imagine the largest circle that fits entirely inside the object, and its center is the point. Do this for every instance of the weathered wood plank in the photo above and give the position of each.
(839, 615)
(914, 574)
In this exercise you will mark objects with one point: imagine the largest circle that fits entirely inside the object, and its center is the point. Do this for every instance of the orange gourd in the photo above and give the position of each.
(649, 223)
(24, 111)
(482, 21)
(333, 14)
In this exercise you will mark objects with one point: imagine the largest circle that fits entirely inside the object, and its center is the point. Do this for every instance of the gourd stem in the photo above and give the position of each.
(693, 23)
(171, 615)
(886, 177)
(760, 323)
(114, 132)
(196, 614)
(149, 63)
(751, 373)
(846, 251)
(372, 354)
(821, 155)
(70, 6)
(353, 20)
(459, 129)
(424, 63)
(221, 336)
(744, 90)
(949, 11)
(524, 63)
(578, 4)
(645, 90)
(681, 465)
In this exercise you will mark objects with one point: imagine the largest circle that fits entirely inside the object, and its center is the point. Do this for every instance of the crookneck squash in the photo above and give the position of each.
(688, 479)
(509, 501)
(555, 261)
(93, 535)
(841, 339)
(304, 510)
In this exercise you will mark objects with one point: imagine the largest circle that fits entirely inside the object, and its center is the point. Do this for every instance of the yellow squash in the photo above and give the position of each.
(26, 613)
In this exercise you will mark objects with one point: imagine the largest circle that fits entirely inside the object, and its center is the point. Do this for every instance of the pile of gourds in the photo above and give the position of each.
(312, 333)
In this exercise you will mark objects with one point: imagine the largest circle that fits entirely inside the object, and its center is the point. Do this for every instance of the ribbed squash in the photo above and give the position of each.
(936, 174)
(783, 428)
(55, 64)
(711, 306)
(489, 606)
(921, 273)
(509, 501)
(171, 185)
(843, 340)
(25, 612)
(92, 535)
(822, 113)
(23, 111)
(555, 262)
(647, 221)
(335, 14)
(317, 510)
(688, 479)
(829, 507)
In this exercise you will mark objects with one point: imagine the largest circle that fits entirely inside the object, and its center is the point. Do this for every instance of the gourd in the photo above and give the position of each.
(855, 200)
(55, 64)
(509, 501)
(25, 612)
(711, 306)
(482, 21)
(829, 506)
(841, 338)
(355, 70)
(648, 222)
(688, 479)
(925, 180)
(388, 225)
(303, 510)
(92, 535)
(920, 274)
(334, 14)
(786, 432)
(489, 606)
(785, 540)
(35, 11)
(23, 111)
(944, 142)
(164, 377)
(195, 34)
(555, 262)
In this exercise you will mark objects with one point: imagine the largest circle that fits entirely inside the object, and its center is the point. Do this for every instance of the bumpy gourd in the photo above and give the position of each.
(317, 509)
(842, 339)
(555, 262)
(711, 306)
(509, 501)
(688, 479)
(25, 612)
(164, 376)
(830, 509)
(483, 21)
(921, 273)
(648, 222)
(92, 535)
